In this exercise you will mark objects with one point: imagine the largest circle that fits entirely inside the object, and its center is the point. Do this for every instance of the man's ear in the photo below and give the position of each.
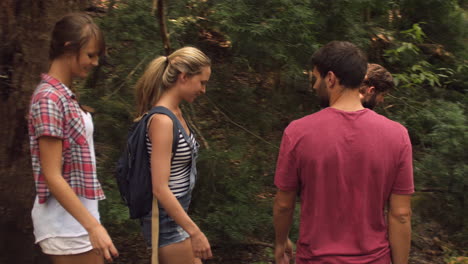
(371, 90)
(330, 79)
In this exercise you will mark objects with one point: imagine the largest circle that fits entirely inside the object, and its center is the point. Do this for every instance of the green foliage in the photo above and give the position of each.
(226, 201)
(275, 37)
(457, 260)
(441, 162)
(415, 33)
(406, 51)
(444, 21)
(429, 102)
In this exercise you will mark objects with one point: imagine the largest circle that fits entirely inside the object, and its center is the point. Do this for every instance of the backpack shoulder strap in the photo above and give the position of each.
(176, 123)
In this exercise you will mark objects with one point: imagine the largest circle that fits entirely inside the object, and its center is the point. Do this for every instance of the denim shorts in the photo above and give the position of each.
(169, 231)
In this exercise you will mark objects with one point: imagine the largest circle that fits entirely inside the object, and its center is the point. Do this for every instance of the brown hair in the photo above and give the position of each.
(342, 58)
(378, 77)
(162, 73)
(77, 29)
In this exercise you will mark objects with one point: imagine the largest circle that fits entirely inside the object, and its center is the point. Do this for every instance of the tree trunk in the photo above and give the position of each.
(25, 28)
(161, 14)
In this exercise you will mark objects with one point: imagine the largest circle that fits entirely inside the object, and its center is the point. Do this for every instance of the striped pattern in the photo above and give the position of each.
(179, 180)
(54, 112)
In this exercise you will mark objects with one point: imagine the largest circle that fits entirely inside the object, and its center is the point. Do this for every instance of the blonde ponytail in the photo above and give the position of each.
(150, 86)
(162, 73)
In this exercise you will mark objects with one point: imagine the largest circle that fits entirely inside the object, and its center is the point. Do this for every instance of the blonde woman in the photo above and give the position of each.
(181, 76)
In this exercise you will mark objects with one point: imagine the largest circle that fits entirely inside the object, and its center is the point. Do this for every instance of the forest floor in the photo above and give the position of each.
(429, 246)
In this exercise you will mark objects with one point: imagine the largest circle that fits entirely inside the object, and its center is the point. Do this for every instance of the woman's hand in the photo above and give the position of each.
(200, 245)
(102, 243)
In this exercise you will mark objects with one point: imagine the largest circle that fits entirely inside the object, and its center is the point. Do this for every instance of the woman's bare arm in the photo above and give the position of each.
(50, 149)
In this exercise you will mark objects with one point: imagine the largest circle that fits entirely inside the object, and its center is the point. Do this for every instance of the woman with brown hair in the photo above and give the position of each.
(65, 212)
(181, 76)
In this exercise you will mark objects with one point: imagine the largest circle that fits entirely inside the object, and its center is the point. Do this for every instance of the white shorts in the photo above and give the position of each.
(66, 245)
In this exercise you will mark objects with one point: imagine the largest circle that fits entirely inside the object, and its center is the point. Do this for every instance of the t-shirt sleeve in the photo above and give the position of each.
(286, 176)
(47, 118)
(404, 179)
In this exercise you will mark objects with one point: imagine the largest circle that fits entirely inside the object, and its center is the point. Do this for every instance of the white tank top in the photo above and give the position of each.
(51, 219)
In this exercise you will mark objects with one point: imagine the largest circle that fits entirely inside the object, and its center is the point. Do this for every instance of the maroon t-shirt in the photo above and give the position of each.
(345, 165)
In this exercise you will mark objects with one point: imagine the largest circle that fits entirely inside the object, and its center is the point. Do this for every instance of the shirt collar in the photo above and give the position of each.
(62, 88)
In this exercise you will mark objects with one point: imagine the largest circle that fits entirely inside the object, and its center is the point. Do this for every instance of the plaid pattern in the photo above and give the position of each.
(55, 112)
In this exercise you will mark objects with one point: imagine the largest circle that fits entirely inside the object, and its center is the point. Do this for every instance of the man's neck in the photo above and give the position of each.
(346, 100)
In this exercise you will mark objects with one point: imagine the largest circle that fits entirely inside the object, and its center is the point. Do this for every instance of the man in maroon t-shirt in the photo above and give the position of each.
(348, 164)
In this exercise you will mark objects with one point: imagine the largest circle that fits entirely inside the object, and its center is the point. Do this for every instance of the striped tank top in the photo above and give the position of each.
(179, 180)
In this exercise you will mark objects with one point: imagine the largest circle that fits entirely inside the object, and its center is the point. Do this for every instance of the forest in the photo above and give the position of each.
(259, 84)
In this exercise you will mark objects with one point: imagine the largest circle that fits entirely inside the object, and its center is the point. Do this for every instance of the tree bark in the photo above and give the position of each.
(25, 28)
(161, 8)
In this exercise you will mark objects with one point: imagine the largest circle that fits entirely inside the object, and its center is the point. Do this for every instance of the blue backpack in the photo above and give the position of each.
(133, 168)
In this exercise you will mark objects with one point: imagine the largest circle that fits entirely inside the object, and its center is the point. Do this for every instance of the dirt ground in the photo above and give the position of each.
(17, 246)
(429, 245)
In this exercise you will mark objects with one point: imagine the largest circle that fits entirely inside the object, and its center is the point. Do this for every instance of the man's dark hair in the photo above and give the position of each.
(342, 58)
(378, 77)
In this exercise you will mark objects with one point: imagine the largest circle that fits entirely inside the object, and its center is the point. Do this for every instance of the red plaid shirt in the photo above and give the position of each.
(55, 112)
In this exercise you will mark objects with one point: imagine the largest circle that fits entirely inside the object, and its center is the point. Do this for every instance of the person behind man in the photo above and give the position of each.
(377, 82)
(348, 163)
